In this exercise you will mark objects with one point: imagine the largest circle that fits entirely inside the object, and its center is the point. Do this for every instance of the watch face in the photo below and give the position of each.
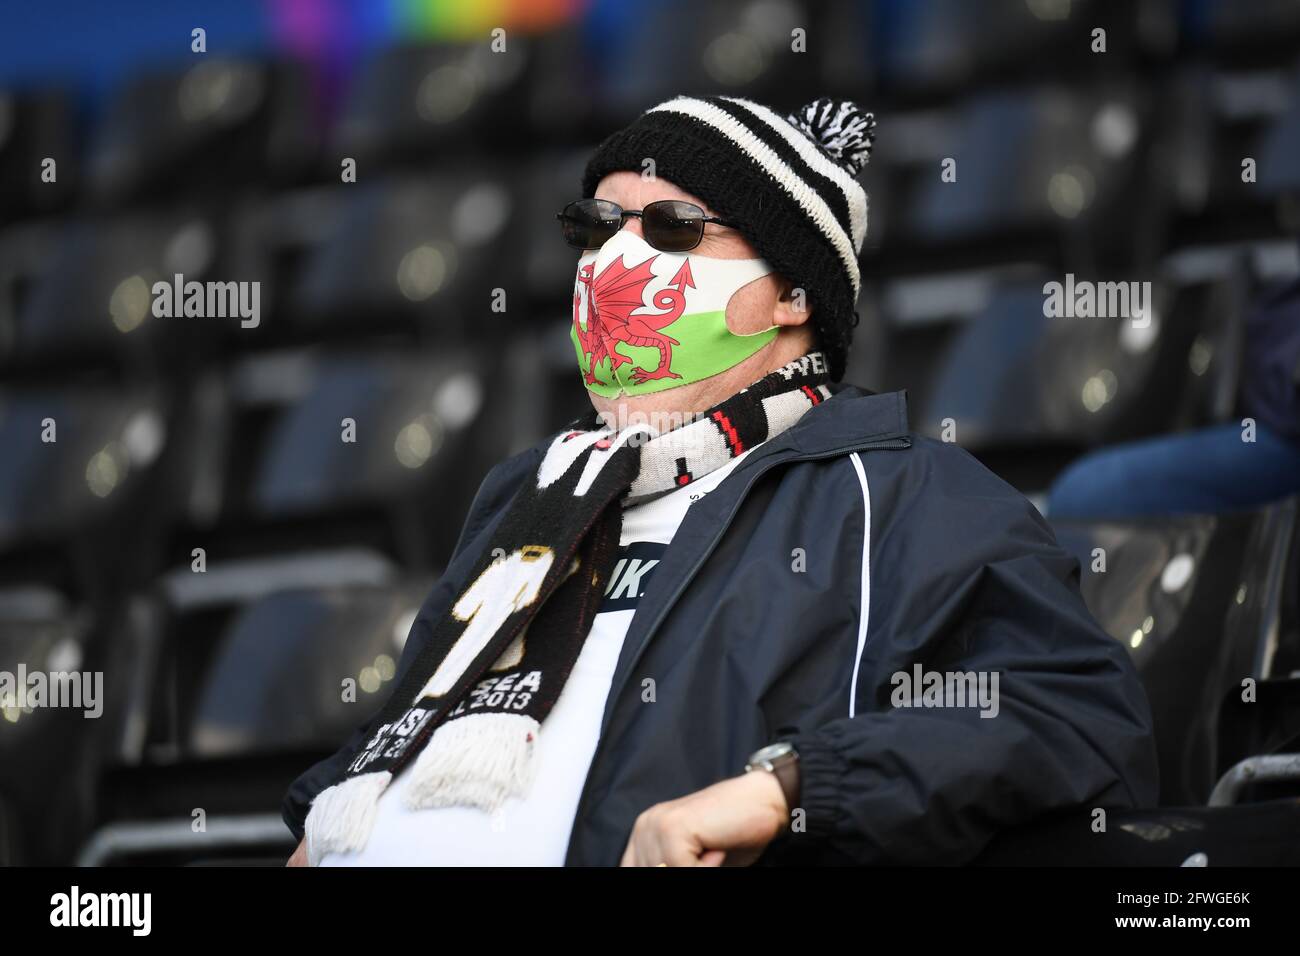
(771, 752)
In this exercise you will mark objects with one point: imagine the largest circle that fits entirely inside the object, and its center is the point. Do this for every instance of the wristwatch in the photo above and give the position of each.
(782, 761)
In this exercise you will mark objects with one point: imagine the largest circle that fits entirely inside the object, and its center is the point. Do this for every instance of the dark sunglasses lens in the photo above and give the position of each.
(590, 223)
(673, 226)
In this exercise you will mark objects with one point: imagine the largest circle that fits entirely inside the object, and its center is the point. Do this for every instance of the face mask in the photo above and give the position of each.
(645, 321)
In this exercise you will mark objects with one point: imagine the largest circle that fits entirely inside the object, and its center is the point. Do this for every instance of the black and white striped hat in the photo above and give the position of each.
(790, 183)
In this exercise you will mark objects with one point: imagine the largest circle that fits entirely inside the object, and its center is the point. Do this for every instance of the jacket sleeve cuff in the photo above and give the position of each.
(821, 774)
(293, 819)
(294, 807)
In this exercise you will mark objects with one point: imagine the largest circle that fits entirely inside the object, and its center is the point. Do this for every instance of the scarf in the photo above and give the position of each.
(466, 714)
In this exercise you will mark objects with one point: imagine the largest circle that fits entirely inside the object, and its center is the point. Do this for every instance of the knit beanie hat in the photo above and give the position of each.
(789, 183)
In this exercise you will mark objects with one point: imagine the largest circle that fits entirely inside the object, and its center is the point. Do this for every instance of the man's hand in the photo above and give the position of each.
(732, 821)
(299, 857)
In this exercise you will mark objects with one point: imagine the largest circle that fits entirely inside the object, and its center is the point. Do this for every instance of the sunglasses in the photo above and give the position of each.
(668, 225)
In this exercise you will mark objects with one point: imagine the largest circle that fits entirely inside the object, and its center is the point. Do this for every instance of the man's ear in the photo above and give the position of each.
(792, 306)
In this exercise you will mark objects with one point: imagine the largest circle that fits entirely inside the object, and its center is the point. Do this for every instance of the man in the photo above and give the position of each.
(742, 613)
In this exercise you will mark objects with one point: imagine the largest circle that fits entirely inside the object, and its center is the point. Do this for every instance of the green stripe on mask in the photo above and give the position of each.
(701, 346)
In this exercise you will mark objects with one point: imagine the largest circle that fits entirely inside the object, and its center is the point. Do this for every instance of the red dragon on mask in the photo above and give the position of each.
(612, 297)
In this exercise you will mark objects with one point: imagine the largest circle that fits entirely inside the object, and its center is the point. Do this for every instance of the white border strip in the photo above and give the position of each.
(864, 617)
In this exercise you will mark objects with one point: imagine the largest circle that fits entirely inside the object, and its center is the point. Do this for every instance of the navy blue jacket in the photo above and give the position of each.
(835, 556)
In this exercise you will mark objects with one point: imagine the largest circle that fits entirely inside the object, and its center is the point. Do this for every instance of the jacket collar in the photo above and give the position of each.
(850, 418)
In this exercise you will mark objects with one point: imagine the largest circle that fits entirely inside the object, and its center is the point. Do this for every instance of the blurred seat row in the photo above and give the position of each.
(220, 122)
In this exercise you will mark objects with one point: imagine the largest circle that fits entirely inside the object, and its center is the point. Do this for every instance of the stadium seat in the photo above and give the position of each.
(72, 456)
(36, 126)
(1236, 130)
(552, 180)
(731, 48)
(1256, 834)
(1277, 166)
(924, 48)
(415, 103)
(272, 238)
(1228, 27)
(303, 448)
(221, 126)
(1048, 162)
(46, 803)
(1014, 378)
(1195, 600)
(260, 649)
(431, 250)
(244, 673)
(81, 293)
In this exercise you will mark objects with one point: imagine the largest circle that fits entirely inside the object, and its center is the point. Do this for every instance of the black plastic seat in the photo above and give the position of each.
(654, 52)
(1256, 834)
(253, 655)
(1278, 173)
(431, 250)
(82, 293)
(220, 126)
(34, 126)
(1013, 380)
(1240, 28)
(232, 680)
(106, 441)
(276, 468)
(944, 45)
(1196, 600)
(46, 803)
(1050, 162)
(444, 99)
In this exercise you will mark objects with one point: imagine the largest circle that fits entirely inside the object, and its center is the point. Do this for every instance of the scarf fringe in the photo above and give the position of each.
(342, 816)
(476, 761)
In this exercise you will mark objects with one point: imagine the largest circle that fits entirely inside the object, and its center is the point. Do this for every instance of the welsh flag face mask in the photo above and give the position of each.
(645, 321)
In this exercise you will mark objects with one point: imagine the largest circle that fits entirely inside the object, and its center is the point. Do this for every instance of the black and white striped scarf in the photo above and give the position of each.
(466, 715)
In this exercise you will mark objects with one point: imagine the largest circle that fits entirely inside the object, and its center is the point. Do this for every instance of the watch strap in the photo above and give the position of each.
(786, 771)
(785, 767)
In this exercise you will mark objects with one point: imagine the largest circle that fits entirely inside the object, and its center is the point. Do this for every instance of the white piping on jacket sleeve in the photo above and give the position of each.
(864, 616)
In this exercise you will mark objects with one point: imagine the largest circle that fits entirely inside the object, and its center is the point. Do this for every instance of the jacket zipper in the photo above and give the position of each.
(888, 443)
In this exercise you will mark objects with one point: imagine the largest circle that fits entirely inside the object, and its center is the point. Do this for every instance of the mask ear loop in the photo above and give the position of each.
(751, 270)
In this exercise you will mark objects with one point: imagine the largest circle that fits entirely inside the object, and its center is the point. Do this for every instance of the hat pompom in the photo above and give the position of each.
(841, 128)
